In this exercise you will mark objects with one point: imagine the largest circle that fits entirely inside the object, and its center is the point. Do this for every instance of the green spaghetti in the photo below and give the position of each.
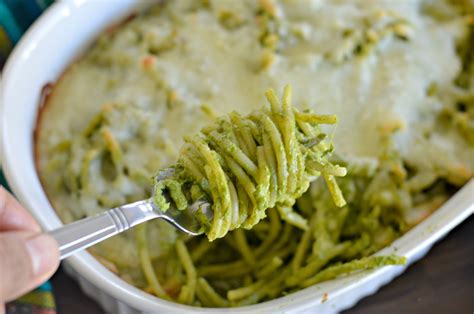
(245, 165)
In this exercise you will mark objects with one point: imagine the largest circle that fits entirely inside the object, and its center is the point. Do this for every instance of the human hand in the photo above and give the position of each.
(27, 257)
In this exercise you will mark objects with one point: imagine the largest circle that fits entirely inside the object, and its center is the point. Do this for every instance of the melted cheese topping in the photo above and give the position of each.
(369, 62)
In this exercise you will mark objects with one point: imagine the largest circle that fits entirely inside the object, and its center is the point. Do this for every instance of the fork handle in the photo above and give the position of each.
(86, 232)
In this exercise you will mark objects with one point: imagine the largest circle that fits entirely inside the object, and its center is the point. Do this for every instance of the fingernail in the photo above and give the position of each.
(41, 249)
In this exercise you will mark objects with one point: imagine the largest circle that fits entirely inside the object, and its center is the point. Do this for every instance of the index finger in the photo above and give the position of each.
(13, 217)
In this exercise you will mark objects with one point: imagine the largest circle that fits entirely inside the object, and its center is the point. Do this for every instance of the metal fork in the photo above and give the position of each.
(86, 232)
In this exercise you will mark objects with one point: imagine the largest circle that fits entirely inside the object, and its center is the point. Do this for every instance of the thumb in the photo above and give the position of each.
(26, 261)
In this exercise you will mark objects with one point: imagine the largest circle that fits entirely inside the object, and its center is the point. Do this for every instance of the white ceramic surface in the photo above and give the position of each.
(59, 37)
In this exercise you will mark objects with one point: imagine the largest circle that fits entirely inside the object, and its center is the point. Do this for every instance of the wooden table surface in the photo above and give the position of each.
(442, 282)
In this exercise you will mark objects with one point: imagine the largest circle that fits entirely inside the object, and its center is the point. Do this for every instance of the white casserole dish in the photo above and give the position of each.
(54, 41)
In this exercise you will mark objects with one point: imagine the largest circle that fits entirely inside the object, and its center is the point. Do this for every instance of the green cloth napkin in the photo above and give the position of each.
(15, 17)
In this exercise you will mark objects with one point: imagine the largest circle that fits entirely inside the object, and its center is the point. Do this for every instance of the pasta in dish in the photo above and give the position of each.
(397, 74)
